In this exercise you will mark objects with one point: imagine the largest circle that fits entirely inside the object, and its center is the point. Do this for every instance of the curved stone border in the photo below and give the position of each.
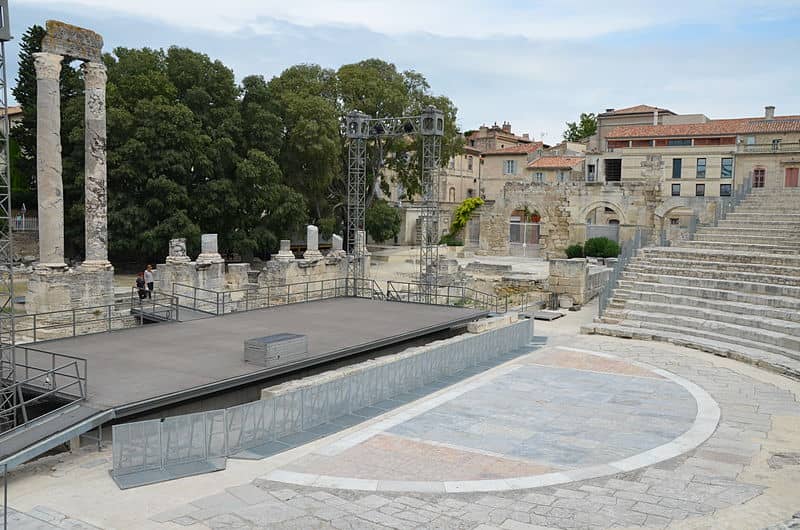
(705, 423)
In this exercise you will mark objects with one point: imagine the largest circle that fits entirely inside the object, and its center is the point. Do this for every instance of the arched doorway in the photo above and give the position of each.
(603, 221)
(523, 233)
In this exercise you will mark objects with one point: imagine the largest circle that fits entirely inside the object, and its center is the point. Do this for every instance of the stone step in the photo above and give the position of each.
(748, 239)
(749, 247)
(699, 254)
(702, 290)
(780, 364)
(636, 309)
(624, 297)
(746, 230)
(713, 273)
(715, 265)
(744, 336)
(742, 286)
(764, 209)
(763, 223)
(756, 216)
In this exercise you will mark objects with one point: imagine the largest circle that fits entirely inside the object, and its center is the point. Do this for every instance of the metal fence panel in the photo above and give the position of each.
(183, 439)
(137, 447)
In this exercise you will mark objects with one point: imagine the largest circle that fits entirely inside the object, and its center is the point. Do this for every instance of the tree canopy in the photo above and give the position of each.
(190, 150)
(585, 127)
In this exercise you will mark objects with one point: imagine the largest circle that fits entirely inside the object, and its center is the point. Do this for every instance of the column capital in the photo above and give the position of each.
(48, 65)
(94, 74)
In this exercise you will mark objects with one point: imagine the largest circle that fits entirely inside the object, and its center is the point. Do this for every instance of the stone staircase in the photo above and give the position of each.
(734, 290)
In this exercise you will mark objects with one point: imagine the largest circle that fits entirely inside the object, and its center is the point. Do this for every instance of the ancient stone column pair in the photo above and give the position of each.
(48, 162)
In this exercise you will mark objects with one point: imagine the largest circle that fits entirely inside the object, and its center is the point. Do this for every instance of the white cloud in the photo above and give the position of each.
(535, 20)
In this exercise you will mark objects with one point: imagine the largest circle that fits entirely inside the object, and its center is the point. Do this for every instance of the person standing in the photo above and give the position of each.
(141, 288)
(149, 279)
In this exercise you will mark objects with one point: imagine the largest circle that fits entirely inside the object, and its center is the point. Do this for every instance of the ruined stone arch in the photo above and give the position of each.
(676, 202)
(603, 204)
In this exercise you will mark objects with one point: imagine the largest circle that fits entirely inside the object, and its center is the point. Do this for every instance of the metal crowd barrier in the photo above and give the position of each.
(153, 451)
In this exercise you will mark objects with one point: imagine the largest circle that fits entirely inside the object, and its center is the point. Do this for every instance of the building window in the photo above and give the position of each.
(724, 190)
(561, 177)
(750, 140)
(509, 167)
(727, 168)
(700, 190)
(613, 169)
(776, 144)
(590, 177)
(676, 190)
(452, 163)
(538, 177)
(701, 168)
(677, 164)
(451, 195)
(679, 142)
(759, 175)
(470, 192)
(469, 163)
(674, 220)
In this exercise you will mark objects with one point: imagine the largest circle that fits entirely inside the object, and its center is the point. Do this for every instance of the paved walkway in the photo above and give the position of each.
(587, 432)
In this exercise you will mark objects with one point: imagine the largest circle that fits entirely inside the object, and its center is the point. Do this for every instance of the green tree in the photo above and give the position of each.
(383, 221)
(585, 127)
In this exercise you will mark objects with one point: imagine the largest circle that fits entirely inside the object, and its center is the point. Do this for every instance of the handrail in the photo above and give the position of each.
(53, 374)
(250, 298)
(447, 295)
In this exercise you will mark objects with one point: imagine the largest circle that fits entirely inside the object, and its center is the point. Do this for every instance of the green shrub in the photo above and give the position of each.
(601, 247)
(574, 251)
(451, 241)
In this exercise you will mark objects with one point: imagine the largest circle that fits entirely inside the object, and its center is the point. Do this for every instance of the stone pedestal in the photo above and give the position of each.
(312, 243)
(49, 185)
(362, 252)
(285, 253)
(337, 244)
(64, 289)
(209, 252)
(177, 251)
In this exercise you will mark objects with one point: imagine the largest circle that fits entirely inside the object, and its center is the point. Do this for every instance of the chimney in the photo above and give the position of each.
(506, 127)
(526, 136)
(609, 110)
(655, 117)
(769, 112)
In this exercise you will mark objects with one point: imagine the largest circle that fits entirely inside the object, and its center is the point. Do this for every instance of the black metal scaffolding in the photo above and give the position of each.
(359, 129)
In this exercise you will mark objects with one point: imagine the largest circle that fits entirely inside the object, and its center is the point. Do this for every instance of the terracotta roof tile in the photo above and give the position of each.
(556, 162)
(712, 127)
(520, 149)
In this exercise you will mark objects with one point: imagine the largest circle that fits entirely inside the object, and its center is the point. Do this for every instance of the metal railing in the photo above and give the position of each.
(82, 320)
(25, 224)
(627, 252)
(447, 295)
(30, 375)
(221, 302)
(778, 147)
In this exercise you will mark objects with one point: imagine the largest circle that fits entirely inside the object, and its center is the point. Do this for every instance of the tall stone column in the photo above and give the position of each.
(96, 209)
(48, 160)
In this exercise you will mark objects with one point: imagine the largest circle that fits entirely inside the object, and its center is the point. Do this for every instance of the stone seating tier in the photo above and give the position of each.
(733, 290)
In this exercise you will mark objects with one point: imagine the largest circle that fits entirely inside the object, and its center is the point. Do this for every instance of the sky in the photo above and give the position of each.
(535, 64)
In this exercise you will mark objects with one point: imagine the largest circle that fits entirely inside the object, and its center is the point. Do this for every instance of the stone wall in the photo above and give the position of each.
(577, 279)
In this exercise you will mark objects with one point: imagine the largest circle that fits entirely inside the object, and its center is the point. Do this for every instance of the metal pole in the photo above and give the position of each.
(5, 496)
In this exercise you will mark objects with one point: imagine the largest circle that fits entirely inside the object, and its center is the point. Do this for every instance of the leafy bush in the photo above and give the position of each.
(463, 213)
(383, 221)
(601, 247)
(575, 251)
(451, 241)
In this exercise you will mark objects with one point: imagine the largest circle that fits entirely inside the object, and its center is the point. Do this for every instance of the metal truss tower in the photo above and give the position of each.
(7, 360)
(360, 128)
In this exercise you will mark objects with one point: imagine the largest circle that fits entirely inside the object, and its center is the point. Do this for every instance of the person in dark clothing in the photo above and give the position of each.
(141, 286)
